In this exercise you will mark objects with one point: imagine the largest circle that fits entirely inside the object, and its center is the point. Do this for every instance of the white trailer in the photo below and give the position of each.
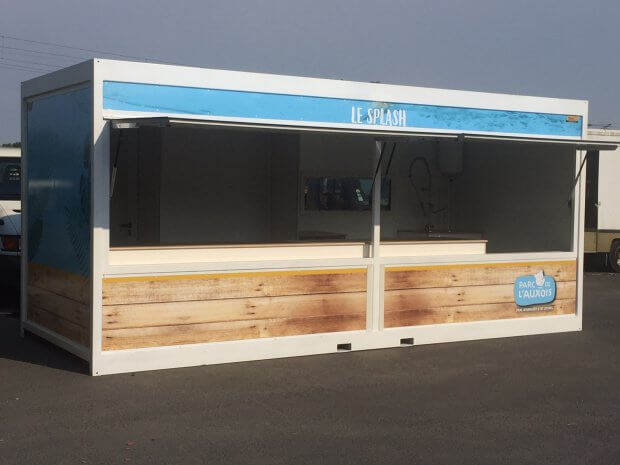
(602, 221)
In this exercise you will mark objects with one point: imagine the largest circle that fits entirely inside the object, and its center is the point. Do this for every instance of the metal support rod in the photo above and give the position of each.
(115, 166)
(572, 191)
(376, 199)
(376, 268)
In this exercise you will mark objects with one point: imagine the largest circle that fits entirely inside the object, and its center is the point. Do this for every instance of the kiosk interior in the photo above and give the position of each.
(179, 216)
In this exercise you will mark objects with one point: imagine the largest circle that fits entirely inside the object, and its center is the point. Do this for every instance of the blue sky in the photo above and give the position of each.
(551, 48)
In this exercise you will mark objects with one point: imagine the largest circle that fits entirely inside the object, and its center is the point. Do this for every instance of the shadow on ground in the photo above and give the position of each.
(33, 349)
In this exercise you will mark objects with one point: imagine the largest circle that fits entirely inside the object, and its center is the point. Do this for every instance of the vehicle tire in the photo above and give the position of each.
(614, 256)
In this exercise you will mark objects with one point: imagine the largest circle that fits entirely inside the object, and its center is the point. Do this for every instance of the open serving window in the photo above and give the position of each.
(244, 193)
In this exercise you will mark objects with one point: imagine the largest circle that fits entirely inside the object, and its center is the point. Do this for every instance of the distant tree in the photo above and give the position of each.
(13, 144)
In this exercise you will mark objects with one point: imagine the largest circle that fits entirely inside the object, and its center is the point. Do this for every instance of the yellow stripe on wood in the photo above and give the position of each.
(205, 311)
(231, 286)
(115, 339)
(465, 313)
(203, 276)
(455, 266)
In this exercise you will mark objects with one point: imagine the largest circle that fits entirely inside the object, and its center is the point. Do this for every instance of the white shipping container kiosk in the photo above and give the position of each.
(178, 216)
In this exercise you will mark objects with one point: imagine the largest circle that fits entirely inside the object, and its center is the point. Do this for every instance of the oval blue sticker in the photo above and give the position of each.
(535, 289)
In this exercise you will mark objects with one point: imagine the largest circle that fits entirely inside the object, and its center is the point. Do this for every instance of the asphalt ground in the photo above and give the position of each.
(550, 399)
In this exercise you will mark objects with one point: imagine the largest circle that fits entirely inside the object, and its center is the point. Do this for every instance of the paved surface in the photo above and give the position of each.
(551, 399)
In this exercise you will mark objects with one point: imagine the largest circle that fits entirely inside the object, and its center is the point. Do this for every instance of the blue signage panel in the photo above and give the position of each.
(536, 289)
(323, 111)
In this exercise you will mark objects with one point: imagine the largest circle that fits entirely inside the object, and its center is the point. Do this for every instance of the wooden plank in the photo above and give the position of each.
(473, 274)
(144, 289)
(419, 299)
(115, 339)
(59, 325)
(63, 307)
(464, 313)
(205, 311)
(60, 282)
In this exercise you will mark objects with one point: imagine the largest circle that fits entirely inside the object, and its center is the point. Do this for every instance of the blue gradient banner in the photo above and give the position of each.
(324, 111)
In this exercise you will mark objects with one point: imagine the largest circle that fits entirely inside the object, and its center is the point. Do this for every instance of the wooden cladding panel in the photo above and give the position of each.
(59, 301)
(230, 286)
(478, 292)
(61, 306)
(419, 299)
(464, 313)
(228, 331)
(59, 325)
(169, 310)
(70, 285)
(473, 274)
(211, 311)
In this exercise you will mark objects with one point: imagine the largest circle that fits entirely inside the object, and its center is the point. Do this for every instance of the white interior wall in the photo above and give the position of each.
(354, 155)
(284, 187)
(406, 215)
(335, 155)
(200, 201)
(517, 196)
(273, 181)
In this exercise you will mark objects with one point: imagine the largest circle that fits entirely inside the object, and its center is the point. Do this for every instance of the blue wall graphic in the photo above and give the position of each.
(58, 164)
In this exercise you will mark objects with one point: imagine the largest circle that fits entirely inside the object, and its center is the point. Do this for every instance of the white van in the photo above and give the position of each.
(10, 216)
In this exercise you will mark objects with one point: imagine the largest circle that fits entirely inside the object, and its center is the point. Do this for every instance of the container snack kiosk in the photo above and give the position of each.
(178, 216)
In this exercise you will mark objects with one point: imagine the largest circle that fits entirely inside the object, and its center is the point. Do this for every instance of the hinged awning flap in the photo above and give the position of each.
(132, 123)
(582, 144)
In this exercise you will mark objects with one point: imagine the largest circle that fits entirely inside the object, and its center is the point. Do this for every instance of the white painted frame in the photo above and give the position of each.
(375, 336)
(132, 360)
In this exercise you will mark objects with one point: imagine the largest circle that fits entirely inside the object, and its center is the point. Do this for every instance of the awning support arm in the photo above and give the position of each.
(115, 166)
(572, 191)
(387, 170)
(374, 178)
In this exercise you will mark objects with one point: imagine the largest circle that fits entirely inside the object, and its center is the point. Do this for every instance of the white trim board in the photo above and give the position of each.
(271, 265)
(151, 73)
(131, 360)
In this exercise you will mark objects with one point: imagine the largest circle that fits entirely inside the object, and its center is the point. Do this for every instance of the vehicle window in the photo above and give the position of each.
(10, 178)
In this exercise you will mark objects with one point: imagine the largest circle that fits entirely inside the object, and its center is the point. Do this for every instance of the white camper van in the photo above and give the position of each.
(10, 216)
(602, 215)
